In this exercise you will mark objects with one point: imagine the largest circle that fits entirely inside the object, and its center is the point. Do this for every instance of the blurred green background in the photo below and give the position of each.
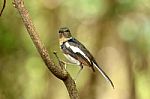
(117, 33)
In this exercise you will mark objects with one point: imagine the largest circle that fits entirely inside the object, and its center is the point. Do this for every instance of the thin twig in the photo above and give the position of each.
(61, 63)
(4, 4)
(56, 70)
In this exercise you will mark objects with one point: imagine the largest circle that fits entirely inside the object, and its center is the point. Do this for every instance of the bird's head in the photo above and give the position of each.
(64, 33)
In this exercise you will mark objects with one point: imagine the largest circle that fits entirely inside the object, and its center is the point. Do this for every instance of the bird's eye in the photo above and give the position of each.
(60, 31)
(67, 30)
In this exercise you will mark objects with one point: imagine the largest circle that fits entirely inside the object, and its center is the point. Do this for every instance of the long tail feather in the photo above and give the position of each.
(104, 74)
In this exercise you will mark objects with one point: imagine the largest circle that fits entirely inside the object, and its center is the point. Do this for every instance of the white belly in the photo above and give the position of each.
(72, 60)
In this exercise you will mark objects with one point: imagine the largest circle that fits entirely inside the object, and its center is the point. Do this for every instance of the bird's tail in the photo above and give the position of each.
(103, 73)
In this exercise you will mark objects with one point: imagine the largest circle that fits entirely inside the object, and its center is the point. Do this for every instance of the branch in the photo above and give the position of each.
(62, 74)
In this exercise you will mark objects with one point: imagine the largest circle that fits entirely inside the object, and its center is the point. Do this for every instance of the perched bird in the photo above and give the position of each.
(77, 53)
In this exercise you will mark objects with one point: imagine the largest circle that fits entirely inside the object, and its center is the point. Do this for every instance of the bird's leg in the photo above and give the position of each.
(79, 72)
(61, 62)
(67, 63)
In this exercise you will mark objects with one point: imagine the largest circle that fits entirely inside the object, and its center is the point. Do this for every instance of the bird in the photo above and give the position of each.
(77, 53)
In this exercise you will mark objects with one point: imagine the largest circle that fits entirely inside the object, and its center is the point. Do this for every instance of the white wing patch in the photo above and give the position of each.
(67, 44)
(76, 49)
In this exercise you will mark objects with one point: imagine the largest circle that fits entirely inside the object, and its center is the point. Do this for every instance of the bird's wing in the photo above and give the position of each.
(75, 49)
(74, 42)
